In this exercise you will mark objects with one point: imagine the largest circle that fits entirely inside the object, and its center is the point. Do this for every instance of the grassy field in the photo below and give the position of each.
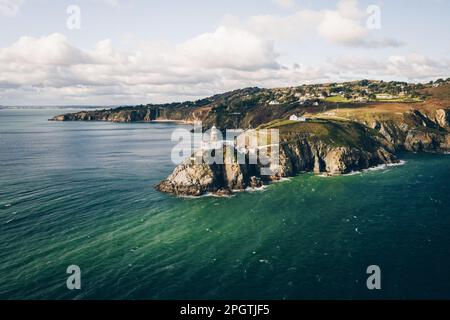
(337, 99)
(400, 100)
(335, 132)
(341, 99)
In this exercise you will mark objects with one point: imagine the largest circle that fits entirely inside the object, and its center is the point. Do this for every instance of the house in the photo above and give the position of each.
(361, 99)
(273, 103)
(385, 96)
(295, 118)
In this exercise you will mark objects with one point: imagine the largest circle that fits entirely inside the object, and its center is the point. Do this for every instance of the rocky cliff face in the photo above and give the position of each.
(176, 111)
(310, 155)
(305, 154)
(417, 130)
(192, 179)
(119, 115)
(372, 137)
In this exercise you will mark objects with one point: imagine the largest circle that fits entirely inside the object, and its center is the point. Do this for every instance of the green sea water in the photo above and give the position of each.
(83, 193)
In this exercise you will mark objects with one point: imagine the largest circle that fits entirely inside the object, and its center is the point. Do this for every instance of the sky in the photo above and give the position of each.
(125, 52)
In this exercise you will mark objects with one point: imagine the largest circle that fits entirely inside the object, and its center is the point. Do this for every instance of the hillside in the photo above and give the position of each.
(252, 107)
(343, 127)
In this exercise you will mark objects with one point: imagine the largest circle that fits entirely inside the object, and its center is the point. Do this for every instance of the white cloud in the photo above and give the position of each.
(229, 47)
(345, 26)
(291, 27)
(339, 29)
(349, 9)
(410, 67)
(50, 70)
(51, 50)
(51, 64)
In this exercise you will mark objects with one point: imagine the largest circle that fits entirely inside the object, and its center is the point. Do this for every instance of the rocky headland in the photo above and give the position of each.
(336, 138)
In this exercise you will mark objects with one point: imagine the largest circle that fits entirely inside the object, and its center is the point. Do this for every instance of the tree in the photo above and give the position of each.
(364, 83)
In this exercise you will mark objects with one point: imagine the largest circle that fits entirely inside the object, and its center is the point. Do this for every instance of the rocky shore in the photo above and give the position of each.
(336, 139)
(366, 146)
(190, 179)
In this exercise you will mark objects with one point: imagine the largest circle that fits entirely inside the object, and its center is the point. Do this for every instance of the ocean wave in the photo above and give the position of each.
(376, 168)
(262, 188)
(207, 195)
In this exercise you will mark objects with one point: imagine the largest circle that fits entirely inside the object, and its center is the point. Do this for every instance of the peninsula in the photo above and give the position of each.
(333, 128)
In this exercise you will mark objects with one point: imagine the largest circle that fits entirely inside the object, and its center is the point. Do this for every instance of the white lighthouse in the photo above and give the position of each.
(213, 139)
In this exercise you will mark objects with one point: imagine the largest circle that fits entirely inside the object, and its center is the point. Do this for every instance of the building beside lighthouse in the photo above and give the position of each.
(296, 118)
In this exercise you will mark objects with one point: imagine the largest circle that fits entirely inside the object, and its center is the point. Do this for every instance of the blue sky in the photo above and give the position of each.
(139, 51)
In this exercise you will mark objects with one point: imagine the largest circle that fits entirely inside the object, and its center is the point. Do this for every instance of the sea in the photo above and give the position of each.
(82, 194)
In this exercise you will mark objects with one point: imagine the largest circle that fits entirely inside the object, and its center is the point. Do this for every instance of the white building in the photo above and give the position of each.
(295, 118)
(213, 139)
(384, 96)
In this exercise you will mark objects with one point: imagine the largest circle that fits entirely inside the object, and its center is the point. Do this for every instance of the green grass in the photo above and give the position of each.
(401, 100)
(278, 123)
(341, 99)
(337, 99)
(334, 132)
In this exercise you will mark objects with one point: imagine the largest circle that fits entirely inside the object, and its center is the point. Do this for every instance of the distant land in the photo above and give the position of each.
(333, 128)
(82, 107)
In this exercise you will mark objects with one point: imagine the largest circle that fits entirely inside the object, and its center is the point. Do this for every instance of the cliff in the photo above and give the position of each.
(330, 148)
(414, 130)
(339, 137)
(322, 145)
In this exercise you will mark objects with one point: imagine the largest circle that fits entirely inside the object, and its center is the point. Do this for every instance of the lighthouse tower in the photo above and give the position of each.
(213, 139)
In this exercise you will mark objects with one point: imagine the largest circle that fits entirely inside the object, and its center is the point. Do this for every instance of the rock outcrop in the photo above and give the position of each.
(346, 147)
(416, 131)
(370, 135)
(194, 179)
(304, 154)
(442, 118)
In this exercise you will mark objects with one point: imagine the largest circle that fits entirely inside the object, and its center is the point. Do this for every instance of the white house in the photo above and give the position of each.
(295, 118)
(384, 96)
